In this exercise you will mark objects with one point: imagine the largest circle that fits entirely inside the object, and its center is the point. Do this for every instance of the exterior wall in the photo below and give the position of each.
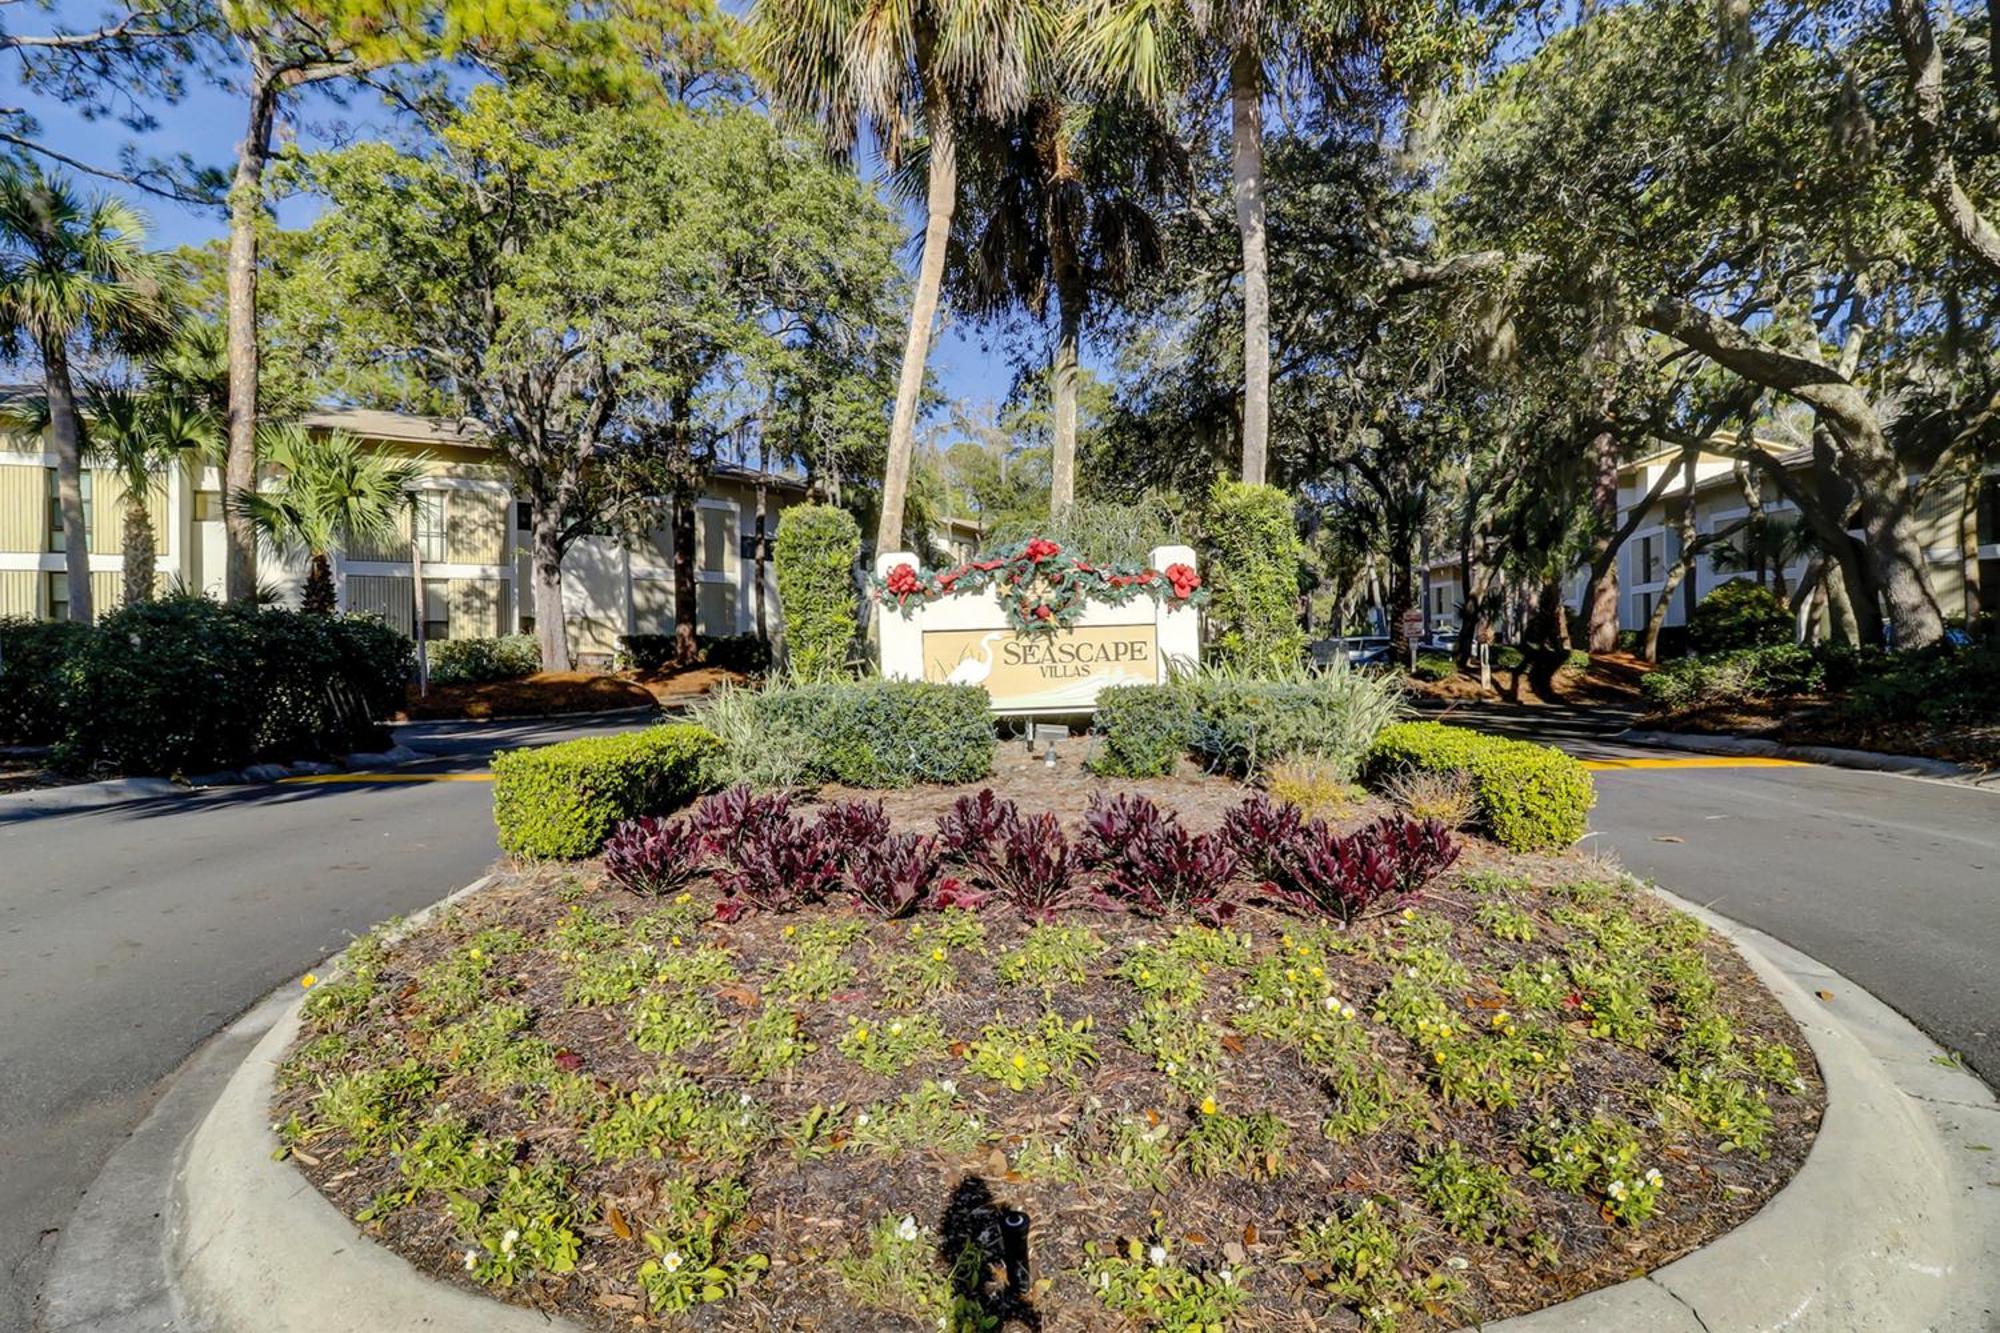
(20, 593)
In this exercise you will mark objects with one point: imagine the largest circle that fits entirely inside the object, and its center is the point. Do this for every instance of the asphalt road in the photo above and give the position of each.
(129, 934)
(1892, 881)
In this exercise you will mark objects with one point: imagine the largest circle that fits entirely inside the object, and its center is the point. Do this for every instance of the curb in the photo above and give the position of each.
(597, 714)
(1892, 1223)
(1907, 765)
(76, 796)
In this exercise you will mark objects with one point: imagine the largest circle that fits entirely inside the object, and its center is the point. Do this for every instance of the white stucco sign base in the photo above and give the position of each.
(964, 639)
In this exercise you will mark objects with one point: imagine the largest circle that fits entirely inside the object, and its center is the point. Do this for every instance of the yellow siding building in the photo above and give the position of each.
(469, 527)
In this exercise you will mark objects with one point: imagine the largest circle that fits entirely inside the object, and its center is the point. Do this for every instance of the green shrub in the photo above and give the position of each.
(1780, 671)
(1239, 723)
(1142, 730)
(1104, 532)
(185, 685)
(816, 550)
(865, 733)
(564, 800)
(1531, 797)
(1434, 667)
(1739, 614)
(469, 661)
(1942, 685)
(33, 657)
(1252, 566)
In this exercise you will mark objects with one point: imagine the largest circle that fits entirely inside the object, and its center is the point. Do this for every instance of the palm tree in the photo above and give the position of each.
(917, 69)
(74, 274)
(136, 433)
(1061, 202)
(1153, 50)
(336, 494)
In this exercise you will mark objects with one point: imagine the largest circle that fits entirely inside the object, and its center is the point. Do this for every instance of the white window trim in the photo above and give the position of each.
(1634, 544)
(52, 562)
(9, 458)
(444, 483)
(433, 569)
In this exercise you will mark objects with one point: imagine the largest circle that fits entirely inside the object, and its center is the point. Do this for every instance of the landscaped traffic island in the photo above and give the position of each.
(1153, 1052)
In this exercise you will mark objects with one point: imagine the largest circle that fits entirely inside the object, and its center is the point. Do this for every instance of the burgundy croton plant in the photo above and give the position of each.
(1130, 855)
(1041, 587)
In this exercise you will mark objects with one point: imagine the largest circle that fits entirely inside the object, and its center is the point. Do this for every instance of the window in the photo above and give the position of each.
(208, 506)
(58, 596)
(437, 609)
(58, 539)
(524, 516)
(1989, 511)
(1642, 609)
(1651, 564)
(718, 534)
(431, 542)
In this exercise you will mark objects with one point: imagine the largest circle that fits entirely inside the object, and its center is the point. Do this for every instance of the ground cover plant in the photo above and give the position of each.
(684, 1088)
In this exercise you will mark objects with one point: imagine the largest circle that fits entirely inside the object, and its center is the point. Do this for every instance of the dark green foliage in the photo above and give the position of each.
(1252, 565)
(1943, 686)
(566, 800)
(1780, 671)
(816, 550)
(33, 654)
(468, 661)
(1434, 667)
(1142, 731)
(885, 733)
(1531, 797)
(185, 685)
(1739, 614)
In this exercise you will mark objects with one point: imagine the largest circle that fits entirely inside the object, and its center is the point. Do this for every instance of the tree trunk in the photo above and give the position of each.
(551, 632)
(686, 605)
(1895, 556)
(318, 598)
(1062, 459)
(762, 554)
(138, 543)
(1600, 596)
(66, 441)
(1246, 165)
(1651, 649)
(940, 201)
(246, 207)
(1684, 557)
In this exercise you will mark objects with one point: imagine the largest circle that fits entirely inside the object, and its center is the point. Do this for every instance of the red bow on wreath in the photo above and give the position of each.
(1040, 549)
(1183, 580)
(902, 581)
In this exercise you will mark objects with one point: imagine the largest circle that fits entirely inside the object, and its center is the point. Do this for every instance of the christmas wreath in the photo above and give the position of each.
(1040, 586)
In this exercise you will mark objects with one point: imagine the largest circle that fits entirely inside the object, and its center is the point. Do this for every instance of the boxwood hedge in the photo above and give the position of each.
(564, 800)
(1531, 797)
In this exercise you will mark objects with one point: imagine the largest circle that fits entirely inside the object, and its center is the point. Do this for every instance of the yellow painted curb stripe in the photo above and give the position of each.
(1700, 761)
(391, 777)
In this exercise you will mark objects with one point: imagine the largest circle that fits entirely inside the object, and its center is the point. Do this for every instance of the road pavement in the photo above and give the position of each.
(131, 933)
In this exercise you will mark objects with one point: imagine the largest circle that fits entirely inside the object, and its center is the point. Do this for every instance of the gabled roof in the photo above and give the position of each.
(404, 427)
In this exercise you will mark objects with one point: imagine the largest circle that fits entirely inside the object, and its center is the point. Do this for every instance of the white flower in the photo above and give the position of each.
(1226, 1276)
(743, 1100)
(471, 1260)
(671, 1261)
(1653, 1176)
(1104, 1281)
(861, 1121)
(508, 1239)
(948, 1087)
(1616, 1189)
(1158, 1255)
(907, 1229)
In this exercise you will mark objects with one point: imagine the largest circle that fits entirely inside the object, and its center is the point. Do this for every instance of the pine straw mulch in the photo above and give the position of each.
(555, 692)
(805, 1212)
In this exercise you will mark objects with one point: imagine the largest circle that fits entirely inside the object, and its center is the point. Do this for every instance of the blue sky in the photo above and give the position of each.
(208, 124)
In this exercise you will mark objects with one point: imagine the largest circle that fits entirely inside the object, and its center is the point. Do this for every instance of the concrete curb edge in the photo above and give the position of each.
(1888, 1231)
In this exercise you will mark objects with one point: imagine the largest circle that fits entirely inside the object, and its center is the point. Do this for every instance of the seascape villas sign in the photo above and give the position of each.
(1040, 631)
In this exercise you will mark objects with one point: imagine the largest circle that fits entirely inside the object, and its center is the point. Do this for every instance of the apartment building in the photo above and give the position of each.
(467, 532)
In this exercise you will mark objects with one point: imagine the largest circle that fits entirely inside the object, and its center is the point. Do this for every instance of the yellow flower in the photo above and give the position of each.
(309, 980)
(1208, 1106)
(1020, 1061)
(938, 954)
(685, 898)
(1502, 1019)
(1319, 971)
(861, 1034)
(791, 931)
(475, 955)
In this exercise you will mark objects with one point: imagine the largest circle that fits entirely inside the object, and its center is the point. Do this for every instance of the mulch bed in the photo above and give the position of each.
(1612, 678)
(807, 1211)
(564, 692)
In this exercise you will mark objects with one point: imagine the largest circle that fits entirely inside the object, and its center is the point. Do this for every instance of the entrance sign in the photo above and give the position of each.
(968, 638)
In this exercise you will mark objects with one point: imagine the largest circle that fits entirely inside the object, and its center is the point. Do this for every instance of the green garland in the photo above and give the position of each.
(1041, 588)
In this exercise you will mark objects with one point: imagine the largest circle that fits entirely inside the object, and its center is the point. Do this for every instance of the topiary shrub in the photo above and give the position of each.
(816, 550)
(1141, 731)
(565, 800)
(33, 657)
(1252, 563)
(1739, 614)
(1530, 797)
(470, 661)
(865, 733)
(186, 685)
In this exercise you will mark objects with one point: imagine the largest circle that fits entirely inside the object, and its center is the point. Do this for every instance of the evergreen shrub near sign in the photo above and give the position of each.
(33, 654)
(1240, 723)
(1253, 555)
(1739, 614)
(564, 800)
(470, 661)
(816, 550)
(864, 733)
(1531, 797)
(186, 685)
(1142, 730)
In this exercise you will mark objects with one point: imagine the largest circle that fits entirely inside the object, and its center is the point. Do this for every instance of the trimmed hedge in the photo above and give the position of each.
(815, 554)
(564, 800)
(1531, 797)
(1142, 730)
(885, 733)
(185, 685)
(1739, 614)
(33, 657)
(470, 661)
